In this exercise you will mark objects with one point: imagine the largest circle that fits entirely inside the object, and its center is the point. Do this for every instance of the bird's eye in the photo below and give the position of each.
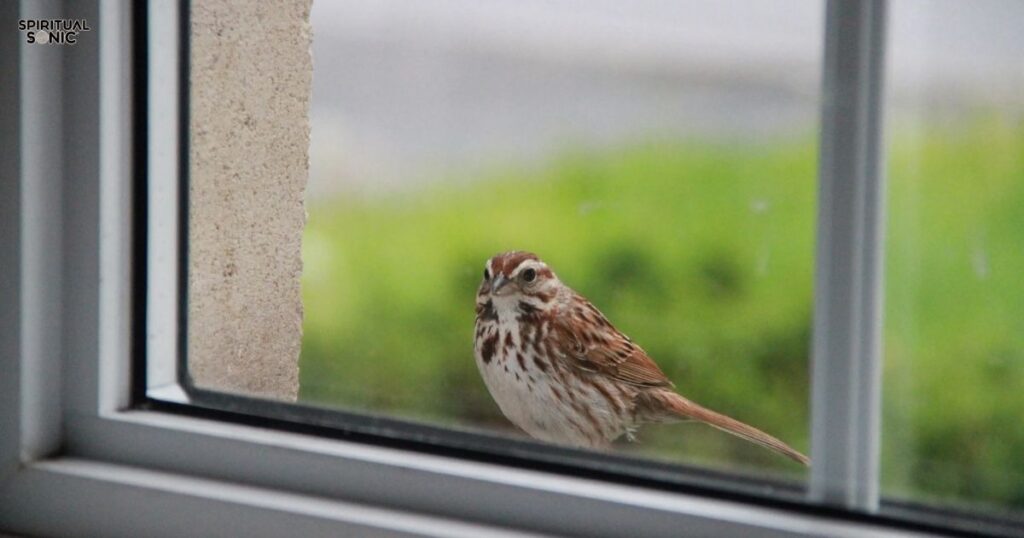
(487, 274)
(529, 275)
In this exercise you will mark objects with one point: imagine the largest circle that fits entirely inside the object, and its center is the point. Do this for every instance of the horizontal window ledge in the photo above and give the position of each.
(423, 483)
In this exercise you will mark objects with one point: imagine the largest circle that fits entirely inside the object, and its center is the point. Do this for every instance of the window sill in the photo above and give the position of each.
(201, 477)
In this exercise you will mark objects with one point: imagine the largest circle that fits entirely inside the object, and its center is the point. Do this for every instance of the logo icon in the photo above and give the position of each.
(53, 31)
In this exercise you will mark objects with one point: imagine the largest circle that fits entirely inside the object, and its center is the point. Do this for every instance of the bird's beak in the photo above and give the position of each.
(499, 283)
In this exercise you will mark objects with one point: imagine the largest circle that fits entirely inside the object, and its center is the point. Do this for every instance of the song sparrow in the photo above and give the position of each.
(560, 371)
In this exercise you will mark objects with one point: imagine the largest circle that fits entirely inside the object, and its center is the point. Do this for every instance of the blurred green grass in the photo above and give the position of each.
(954, 364)
(703, 253)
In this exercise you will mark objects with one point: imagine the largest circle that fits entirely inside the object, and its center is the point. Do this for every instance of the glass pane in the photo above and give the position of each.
(660, 157)
(954, 346)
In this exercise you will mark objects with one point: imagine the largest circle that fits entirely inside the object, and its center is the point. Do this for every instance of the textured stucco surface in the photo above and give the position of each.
(250, 86)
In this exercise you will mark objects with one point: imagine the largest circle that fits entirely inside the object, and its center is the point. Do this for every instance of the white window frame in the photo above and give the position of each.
(76, 459)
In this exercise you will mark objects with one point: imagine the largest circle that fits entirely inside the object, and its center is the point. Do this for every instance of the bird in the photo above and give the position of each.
(562, 373)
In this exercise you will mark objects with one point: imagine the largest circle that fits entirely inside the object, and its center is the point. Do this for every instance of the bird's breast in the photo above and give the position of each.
(541, 394)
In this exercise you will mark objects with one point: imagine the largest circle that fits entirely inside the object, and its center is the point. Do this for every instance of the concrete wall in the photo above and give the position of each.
(251, 72)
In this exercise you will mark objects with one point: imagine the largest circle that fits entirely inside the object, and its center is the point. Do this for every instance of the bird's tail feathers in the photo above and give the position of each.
(682, 409)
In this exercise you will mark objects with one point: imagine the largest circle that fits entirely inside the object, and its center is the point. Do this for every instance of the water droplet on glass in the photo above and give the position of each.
(588, 207)
(979, 262)
(764, 256)
(759, 206)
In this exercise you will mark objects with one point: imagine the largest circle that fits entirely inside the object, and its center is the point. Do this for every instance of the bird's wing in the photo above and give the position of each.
(590, 342)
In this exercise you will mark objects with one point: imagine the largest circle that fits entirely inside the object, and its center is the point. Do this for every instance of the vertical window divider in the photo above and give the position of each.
(846, 350)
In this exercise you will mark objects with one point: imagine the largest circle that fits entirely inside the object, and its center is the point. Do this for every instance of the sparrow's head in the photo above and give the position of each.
(516, 276)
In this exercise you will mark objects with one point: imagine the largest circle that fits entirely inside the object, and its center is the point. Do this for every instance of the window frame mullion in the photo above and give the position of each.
(846, 349)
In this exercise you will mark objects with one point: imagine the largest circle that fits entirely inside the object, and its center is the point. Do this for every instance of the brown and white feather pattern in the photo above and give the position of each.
(560, 371)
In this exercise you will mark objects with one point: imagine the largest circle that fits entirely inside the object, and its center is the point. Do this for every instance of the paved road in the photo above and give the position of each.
(408, 91)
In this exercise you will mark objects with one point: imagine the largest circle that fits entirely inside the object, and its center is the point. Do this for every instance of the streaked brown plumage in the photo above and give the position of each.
(561, 372)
